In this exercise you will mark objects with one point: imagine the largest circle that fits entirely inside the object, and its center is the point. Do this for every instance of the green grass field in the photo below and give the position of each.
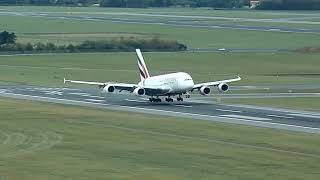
(206, 38)
(47, 141)
(193, 37)
(285, 68)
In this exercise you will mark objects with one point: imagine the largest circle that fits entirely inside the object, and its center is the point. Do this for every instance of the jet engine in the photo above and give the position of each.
(205, 90)
(109, 89)
(223, 87)
(139, 91)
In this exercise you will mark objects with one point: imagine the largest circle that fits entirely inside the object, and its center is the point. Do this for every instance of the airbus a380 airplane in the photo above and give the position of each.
(163, 85)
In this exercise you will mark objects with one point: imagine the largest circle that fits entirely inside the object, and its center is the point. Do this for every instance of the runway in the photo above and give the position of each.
(194, 108)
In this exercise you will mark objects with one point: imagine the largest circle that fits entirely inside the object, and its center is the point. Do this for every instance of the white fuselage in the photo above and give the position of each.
(177, 83)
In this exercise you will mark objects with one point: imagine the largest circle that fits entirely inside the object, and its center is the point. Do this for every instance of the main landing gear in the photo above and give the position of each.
(155, 99)
(179, 98)
(168, 99)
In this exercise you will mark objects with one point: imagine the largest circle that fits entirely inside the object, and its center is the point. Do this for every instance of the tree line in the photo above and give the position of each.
(289, 5)
(8, 44)
(7, 38)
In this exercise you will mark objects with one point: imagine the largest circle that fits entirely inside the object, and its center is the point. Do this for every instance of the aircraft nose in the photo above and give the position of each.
(191, 85)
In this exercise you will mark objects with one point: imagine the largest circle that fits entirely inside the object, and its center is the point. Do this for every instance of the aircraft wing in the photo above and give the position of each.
(122, 86)
(215, 83)
(119, 86)
(83, 82)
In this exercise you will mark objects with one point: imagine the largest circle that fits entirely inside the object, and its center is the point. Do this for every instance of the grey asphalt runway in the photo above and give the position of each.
(195, 108)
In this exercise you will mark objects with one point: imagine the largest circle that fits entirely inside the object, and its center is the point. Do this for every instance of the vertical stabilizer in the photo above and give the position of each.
(143, 70)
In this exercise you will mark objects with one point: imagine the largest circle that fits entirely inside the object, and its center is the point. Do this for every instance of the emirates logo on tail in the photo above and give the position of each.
(144, 73)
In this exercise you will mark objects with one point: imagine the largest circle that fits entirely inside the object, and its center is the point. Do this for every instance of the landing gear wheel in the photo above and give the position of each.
(151, 99)
(179, 99)
(169, 99)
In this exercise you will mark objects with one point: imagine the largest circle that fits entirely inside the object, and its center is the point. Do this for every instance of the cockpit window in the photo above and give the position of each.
(187, 79)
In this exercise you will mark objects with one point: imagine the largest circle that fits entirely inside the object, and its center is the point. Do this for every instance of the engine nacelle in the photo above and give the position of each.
(109, 89)
(205, 90)
(139, 91)
(223, 87)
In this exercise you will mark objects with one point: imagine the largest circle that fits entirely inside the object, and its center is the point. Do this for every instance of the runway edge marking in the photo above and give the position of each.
(279, 116)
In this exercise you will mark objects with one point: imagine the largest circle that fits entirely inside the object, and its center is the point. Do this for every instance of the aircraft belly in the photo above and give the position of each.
(155, 92)
(176, 91)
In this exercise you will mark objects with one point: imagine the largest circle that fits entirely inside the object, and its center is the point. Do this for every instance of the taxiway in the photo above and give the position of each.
(186, 21)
